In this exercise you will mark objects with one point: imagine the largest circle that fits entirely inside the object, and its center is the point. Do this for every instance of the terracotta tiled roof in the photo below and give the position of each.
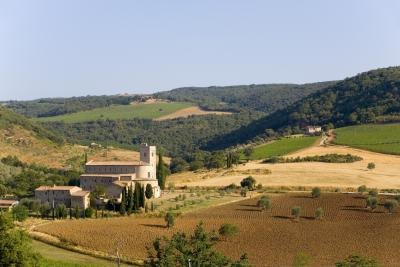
(80, 193)
(57, 187)
(7, 202)
(116, 163)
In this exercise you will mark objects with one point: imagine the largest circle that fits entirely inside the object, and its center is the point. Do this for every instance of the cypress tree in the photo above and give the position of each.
(130, 200)
(76, 212)
(161, 173)
(137, 196)
(122, 209)
(142, 196)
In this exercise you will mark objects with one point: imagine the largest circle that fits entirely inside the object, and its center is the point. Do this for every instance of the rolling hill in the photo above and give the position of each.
(264, 98)
(31, 143)
(119, 112)
(364, 98)
(382, 138)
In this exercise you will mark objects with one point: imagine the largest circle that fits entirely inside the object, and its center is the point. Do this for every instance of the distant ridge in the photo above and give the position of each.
(356, 100)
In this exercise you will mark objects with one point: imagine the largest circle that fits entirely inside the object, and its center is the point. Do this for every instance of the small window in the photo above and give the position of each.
(148, 175)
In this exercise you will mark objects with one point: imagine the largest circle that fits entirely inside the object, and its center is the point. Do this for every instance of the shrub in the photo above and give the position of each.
(259, 186)
(243, 192)
(361, 189)
(20, 213)
(319, 213)
(371, 166)
(357, 261)
(61, 211)
(373, 192)
(227, 230)
(89, 212)
(171, 186)
(44, 209)
(391, 205)
(302, 260)
(316, 192)
(149, 191)
(372, 202)
(295, 212)
(231, 186)
(248, 182)
(264, 203)
(169, 219)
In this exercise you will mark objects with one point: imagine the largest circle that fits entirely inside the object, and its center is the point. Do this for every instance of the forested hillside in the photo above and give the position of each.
(177, 137)
(261, 97)
(47, 107)
(365, 98)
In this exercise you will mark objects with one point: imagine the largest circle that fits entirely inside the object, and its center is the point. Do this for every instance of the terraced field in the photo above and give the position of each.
(383, 138)
(282, 147)
(142, 110)
(269, 238)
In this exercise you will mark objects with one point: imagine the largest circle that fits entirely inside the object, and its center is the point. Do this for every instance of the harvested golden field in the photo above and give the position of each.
(269, 238)
(343, 175)
(186, 112)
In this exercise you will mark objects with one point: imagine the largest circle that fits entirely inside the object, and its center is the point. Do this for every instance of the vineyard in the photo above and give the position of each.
(382, 138)
(270, 238)
(282, 147)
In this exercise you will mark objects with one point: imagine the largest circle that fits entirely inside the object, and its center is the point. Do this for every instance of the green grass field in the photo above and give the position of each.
(382, 138)
(143, 111)
(282, 147)
(58, 257)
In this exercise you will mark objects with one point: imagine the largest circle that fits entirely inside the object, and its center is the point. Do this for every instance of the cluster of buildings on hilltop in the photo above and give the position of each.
(113, 176)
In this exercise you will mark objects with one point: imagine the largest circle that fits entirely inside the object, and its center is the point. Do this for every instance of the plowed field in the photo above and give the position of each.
(269, 238)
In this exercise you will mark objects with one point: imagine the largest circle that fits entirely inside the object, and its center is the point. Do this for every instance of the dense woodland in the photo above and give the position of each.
(176, 137)
(47, 107)
(256, 97)
(361, 99)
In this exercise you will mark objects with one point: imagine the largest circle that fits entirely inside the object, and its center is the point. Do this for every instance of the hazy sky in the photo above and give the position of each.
(66, 48)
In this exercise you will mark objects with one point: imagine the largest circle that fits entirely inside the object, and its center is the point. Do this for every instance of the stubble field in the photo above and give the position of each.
(269, 238)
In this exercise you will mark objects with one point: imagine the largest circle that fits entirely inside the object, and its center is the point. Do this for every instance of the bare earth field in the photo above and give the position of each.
(186, 112)
(343, 175)
(269, 238)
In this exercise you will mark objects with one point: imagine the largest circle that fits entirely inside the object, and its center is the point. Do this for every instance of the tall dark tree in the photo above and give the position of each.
(149, 191)
(161, 172)
(137, 196)
(142, 196)
(122, 208)
(130, 200)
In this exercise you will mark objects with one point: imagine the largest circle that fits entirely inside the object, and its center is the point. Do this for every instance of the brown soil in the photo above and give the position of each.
(269, 238)
(186, 112)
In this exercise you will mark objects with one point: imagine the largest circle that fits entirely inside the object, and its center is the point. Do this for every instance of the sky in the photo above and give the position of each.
(73, 47)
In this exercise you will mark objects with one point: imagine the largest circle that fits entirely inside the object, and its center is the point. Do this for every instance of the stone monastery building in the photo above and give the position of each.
(113, 176)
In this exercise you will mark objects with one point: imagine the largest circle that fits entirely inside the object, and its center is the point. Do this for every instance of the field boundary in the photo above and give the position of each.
(55, 241)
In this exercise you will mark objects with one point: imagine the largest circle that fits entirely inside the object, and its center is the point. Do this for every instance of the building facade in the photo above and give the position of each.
(113, 176)
(311, 129)
(70, 196)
